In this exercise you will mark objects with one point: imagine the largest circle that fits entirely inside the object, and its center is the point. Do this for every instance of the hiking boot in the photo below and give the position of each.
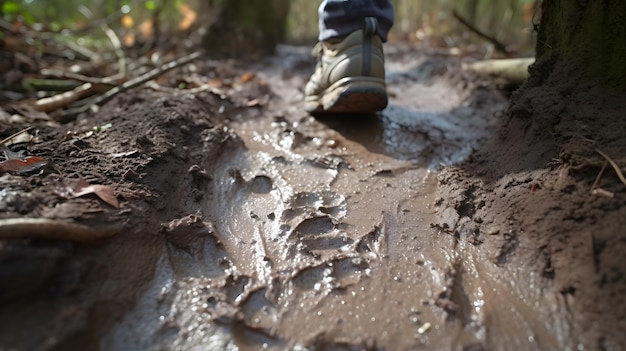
(350, 74)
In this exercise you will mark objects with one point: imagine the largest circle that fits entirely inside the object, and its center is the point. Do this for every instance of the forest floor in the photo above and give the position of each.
(444, 223)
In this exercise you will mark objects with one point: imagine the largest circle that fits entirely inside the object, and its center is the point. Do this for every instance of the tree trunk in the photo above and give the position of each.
(580, 55)
(242, 27)
(589, 32)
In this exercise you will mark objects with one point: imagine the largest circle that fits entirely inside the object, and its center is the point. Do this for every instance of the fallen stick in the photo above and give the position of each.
(117, 46)
(110, 80)
(506, 71)
(147, 77)
(134, 83)
(39, 84)
(176, 91)
(64, 99)
(41, 228)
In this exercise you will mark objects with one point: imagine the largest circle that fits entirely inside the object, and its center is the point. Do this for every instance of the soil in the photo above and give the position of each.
(452, 221)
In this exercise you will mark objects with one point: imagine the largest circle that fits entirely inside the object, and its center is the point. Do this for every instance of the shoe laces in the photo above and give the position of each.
(318, 50)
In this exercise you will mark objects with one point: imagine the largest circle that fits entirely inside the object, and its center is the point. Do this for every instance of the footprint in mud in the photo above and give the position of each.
(326, 202)
(335, 274)
(260, 184)
(316, 221)
(318, 233)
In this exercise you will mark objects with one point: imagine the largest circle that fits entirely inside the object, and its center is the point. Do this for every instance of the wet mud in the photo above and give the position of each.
(250, 225)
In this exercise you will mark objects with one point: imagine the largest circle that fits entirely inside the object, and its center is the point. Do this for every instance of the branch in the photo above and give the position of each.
(110, 80)
(115, 40)
(496, 43)
(23, 228)
(134, 83)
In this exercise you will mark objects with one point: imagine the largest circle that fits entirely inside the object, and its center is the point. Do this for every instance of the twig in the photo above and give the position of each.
(49, 84)
(147, 77)
(110, 80)
(496, 43)
(14, 135)
(117, 46)
(620, 175)
(110, 33)
(62, 100)
(135, 82)
(595, 183)
(202, 88)
(42, 228)
(81, 52)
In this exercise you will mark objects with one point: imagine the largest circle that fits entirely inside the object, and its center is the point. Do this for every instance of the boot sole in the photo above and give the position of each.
(350, 95)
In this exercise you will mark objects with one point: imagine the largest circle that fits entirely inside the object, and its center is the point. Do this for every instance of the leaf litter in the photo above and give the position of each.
(73, 188)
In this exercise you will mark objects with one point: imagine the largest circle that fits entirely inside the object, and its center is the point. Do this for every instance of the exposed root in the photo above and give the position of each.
(620, 175)
(41, 228)
(595, 183)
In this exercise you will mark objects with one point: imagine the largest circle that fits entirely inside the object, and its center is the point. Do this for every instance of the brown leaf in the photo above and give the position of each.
(129, 39)
(107, 194)
(75, 186)
(23, 165)
(146, 28)
(248, 76)
(127, 21)
(188, 17)
(104, 192)
(80, 187)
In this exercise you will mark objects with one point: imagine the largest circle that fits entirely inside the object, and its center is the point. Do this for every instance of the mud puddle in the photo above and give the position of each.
(324, 234)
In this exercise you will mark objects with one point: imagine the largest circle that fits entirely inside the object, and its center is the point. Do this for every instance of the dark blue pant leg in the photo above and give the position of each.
(338, 18)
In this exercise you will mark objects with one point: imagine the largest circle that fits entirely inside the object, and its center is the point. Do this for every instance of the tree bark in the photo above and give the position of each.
(580, 55)
(590, 32)
(243, 27)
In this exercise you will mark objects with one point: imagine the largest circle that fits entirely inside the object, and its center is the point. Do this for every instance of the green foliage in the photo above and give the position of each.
(150, 5)
(12, 9)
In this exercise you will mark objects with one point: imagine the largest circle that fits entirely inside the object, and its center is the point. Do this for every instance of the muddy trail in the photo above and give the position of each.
(246, 224)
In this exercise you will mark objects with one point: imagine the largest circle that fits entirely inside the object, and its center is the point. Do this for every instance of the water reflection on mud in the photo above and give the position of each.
(323, 234)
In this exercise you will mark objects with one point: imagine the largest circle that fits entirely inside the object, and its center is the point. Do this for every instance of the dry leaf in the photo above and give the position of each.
(248, 76)
(146, 29)
(216, 83)
(127, 21)
(23, 165)
(129, 39)
(105, 193)
(80, 187)
(188, 17)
